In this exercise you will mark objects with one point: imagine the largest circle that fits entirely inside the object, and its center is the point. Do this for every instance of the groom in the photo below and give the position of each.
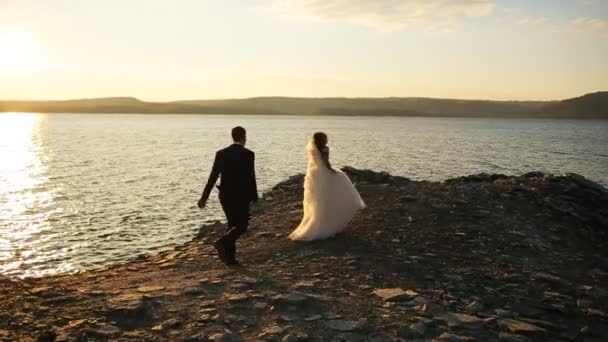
(238, 189)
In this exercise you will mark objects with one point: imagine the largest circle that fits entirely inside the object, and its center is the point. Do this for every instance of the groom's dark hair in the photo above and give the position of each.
(238, 133)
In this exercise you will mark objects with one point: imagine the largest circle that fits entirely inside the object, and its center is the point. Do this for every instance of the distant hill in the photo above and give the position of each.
(393, 106)
(588, 106)
(119, 105)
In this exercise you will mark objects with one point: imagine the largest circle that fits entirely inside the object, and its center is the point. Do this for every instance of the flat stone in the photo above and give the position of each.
(127, 298)
(290, 298)
(505, 337)
(413, 331)
(171, 256)
(431, 309)
(171, 323)
(290, 338)
(205, 318)
(103, 331)
(147, 289)
(474, 307)
(235, 298)
(304, 284)
(502, 313)
(550, 278)
(584, 303)
(394, 294)
(453, 337)
(220, 337)
(273, 330)
(289, 318)
(596, 312)
(39, 290)
(200, 337)
(519, 327)
(313, 318)
(459, 320)
(341, 325)
(260, 305)
(77, 323)
(193, 291)
(207, 303)
(239, 286)
(543, 324)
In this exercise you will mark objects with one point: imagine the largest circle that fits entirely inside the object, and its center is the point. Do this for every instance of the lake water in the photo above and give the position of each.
(80, 191)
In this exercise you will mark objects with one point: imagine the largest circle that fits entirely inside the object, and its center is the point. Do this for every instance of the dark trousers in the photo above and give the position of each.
(237, 215)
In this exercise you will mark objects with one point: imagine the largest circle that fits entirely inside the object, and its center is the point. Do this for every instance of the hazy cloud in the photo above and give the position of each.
(587, 2)
(587, 23)
(529, 20)
(385, 15)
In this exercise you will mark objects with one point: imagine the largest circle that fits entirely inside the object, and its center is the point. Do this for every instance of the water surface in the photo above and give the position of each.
(80, 191)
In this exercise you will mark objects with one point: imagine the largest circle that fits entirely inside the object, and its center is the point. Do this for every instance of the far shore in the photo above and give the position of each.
(589, 106)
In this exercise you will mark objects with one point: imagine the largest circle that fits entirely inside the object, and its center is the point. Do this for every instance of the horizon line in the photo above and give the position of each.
(297, 97)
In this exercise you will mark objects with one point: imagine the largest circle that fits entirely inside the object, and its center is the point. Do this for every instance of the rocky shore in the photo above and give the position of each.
(477, 258)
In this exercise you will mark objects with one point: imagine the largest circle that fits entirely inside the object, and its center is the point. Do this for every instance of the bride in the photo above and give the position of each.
(330, 198)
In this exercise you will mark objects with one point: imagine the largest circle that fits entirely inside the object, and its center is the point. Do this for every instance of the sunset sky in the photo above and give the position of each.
(197, 49)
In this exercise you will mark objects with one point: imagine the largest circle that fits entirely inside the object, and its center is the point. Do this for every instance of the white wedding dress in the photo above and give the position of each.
(330, 200)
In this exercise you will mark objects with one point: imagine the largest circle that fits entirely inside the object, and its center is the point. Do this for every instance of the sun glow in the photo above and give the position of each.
(17, 53)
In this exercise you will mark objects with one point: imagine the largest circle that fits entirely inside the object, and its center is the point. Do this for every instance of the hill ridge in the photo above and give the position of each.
(589, 106)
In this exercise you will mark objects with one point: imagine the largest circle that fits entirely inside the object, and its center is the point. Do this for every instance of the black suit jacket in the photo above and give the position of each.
(235, 165)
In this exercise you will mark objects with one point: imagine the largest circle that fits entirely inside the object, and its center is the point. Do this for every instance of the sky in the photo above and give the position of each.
(199, 49)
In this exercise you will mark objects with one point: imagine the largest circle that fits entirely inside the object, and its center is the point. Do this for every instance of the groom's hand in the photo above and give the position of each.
(202, 203)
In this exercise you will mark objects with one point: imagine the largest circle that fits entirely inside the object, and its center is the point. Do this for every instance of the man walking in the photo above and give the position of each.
(238, 188)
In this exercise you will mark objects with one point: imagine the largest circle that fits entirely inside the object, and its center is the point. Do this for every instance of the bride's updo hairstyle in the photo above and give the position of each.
(320, 140)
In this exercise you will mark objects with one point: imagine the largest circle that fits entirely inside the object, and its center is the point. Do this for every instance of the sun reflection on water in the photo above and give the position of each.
(23, 194)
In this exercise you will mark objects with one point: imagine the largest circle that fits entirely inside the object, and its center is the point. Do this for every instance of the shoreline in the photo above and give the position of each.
(218, 223)
(478, 257)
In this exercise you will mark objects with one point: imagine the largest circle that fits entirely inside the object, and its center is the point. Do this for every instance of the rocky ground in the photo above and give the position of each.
(484, 257)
